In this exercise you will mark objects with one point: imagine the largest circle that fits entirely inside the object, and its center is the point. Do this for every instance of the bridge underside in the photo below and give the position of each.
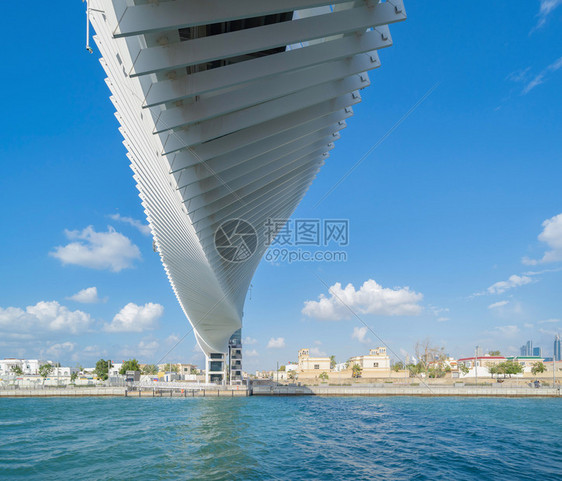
(228, 110)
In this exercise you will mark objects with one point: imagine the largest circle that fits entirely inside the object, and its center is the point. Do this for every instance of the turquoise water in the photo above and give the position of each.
(297, 438)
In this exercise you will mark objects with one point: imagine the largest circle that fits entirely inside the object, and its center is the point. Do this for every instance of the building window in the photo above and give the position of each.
(317, 366)
(215, 366)
(375, 364)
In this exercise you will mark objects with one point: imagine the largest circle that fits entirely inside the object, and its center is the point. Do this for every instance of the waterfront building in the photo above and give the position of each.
(526, 361)
(291, 366)
(235, 358)
(313, 364)
(478, 366)
(28, 366)
(376, 362)
(114, 370)
(185, 369)
(340, 366)
(228, 111)
(182, 368)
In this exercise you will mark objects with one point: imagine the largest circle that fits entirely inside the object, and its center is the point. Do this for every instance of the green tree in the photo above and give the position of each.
(132, 365)
(150, 369)
(398, 366)
(193, 370)
(102, 369)
(292, 374)
(282, 368)
(507, 368)
(73, 376)
(45, 370)
(171, 367)
(463, 368)
(332, 362)
(538, 368)
(17, 370)
(493, 369)
(494, 353)
(356, 371)
(324, 376)
(415, 369)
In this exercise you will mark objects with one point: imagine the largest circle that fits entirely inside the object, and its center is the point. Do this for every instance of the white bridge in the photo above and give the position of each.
(229, 108)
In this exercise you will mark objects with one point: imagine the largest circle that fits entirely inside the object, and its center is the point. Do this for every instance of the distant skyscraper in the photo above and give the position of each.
(557, 353)
(537, 351)
(527, 349)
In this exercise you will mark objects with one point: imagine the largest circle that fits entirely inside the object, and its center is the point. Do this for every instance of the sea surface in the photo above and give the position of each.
(281, 438)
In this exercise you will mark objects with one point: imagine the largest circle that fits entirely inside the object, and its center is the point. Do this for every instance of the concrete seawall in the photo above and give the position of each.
(97, 391)
(122, 392)
(469, 391)
(466, 391)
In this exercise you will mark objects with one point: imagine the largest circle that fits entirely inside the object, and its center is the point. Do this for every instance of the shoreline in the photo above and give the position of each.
(286, 391)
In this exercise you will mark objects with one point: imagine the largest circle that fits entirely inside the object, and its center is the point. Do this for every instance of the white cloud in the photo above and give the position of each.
(552, 237)
(98, 250)
(317, 343)
(172, 339)
(44, 316)
(495, 305)
(251, 353)
(545, 9)
(57, 350)
(443, 319)
(371, 298)
(507, 331)
(89, 353)
(360, 334)
(548, 332)
(513, 281)
(541, 77)
(276, 343)
(249, 341)
(144, 350)
(317, 352)
(134, 318)
(137, 224)
(528, 325)
(86, 296)
(549, 321)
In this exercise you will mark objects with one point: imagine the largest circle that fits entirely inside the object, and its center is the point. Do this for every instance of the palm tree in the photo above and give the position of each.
(356, 370)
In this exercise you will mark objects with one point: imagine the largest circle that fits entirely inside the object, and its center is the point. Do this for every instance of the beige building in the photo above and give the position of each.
(314, 364)
(376, 362)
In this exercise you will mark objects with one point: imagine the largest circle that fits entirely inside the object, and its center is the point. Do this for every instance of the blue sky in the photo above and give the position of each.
(464, 194)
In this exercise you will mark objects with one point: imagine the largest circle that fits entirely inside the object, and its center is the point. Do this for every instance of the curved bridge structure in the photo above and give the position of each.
(228, 109)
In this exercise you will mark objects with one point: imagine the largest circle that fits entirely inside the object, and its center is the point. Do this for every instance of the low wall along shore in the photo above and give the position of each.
(421, 390)
(278, 390)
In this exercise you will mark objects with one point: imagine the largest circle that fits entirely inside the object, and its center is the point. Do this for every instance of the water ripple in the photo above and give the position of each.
(294, 438)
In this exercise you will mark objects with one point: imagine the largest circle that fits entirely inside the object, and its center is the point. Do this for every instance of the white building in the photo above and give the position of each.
(28, 366)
